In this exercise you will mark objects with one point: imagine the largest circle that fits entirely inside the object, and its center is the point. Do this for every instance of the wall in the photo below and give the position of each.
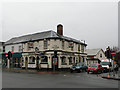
(98, 55)
(9, 47)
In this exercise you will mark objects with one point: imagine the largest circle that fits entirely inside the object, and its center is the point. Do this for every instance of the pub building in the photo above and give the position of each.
(49, 50)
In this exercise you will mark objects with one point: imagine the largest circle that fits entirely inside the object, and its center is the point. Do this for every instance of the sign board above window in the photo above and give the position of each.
(70, 44)
(30, 44)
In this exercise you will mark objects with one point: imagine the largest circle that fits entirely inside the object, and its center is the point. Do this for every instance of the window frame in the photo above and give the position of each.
(45, 44)
(12, 48)
(63, 60)
(31, 60)
(43, 61)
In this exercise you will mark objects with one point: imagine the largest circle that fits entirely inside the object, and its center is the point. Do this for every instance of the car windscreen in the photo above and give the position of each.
(105, 63)
(93, 65)
(78, 64)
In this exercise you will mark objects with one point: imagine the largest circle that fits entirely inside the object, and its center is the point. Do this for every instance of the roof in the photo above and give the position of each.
(93, 52)
(38, 36)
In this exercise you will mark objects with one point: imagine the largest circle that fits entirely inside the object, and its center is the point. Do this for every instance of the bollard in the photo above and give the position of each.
(48, 67)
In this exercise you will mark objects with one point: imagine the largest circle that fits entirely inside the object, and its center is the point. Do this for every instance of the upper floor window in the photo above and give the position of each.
(45, 44)
(101, 55)
(12, 48)
(78, 47)
(20, 48)
(82, 48)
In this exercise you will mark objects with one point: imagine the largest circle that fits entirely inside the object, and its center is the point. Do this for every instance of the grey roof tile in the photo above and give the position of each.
(37, 36)
(92, 52)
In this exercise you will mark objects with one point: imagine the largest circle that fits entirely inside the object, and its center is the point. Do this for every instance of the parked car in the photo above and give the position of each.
(95, 68)
(79, 67)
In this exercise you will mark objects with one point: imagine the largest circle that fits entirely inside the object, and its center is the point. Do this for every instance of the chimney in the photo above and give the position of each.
(60, 29)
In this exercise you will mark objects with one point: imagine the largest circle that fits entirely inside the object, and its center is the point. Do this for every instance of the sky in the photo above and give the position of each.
(92, 21)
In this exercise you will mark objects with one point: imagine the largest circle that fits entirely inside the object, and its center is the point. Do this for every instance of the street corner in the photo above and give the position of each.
(110, 77)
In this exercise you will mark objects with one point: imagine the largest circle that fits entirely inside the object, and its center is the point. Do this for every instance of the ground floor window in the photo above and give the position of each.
(63, 60)
(73, 60)
(22, 61)
(70, 60)
(31, 60)
(44, 59)
(83, 59)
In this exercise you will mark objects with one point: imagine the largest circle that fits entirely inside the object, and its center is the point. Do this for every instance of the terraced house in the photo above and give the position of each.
(40, 48)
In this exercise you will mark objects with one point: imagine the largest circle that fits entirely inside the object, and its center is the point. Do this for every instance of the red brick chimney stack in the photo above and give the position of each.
(60, 29)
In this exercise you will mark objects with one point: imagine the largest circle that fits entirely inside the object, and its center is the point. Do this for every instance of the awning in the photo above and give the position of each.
(17, 55)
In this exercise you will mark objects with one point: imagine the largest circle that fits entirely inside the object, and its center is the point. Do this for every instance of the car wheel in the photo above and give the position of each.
(71, 71)
(88, 72)
(78, 71)
(81, 70)
(98, 71)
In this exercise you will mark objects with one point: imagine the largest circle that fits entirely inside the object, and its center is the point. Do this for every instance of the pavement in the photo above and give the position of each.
(32, 71)
(111, 75)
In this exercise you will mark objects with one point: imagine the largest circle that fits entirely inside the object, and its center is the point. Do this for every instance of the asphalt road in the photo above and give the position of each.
(66, 80)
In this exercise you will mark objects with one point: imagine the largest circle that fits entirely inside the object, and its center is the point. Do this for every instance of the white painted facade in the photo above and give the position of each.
(100, 55)
(54, 44)
(16, 48)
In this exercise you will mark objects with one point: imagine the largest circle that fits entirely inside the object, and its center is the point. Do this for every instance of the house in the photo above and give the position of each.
(1, 51)
(95, 56)
(14, 45)
(40, 48)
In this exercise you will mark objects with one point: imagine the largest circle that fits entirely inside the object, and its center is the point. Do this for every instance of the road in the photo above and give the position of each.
(63, 80)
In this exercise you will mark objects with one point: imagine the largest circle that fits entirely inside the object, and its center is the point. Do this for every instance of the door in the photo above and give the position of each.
(37, 62)
(55, 63)
(26, 62)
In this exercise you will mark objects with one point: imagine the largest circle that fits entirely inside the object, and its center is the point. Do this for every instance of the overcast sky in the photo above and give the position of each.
(94, 22)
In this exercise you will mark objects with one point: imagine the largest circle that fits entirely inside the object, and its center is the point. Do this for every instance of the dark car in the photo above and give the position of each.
(95, 68)
(79, 67)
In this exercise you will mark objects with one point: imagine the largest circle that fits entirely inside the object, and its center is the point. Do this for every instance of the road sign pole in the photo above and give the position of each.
(8, 63)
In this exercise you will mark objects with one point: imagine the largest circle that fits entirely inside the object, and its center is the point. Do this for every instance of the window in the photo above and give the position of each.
(44, 59)
(63, 60)
(12, 48)
(101, 55)
(62, 44)
(73, 60)
(45, 44)
(70, 60)
(20, 48)
(72, 48)
(37, 60)
(78, 47)
(31, 60)
(82, 48)
(83, 59)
